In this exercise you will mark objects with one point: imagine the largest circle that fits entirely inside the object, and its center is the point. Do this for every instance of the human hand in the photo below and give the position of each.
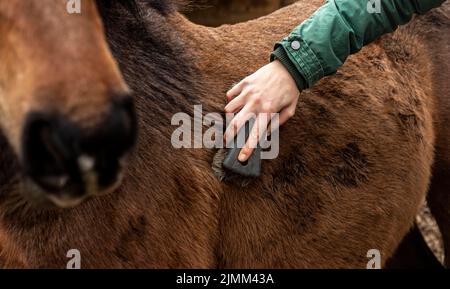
(269, 90)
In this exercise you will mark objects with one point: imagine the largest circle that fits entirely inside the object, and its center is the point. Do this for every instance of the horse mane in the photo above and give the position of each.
(153, 60)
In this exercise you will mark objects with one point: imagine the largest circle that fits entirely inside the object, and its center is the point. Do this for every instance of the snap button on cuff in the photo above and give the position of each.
(295, 45)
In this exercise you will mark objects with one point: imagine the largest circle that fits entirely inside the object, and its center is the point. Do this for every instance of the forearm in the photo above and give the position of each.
(321, 44)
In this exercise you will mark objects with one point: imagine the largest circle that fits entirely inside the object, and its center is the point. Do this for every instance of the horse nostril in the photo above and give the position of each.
(113, 136)
(54, 182)
(48, 149)
(62, 157)
(112, 139)
(122, 124)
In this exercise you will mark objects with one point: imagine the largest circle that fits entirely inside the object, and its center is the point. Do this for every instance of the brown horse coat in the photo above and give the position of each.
(354, 167)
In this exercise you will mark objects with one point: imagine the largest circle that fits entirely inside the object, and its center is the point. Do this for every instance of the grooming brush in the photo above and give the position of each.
(250, 168)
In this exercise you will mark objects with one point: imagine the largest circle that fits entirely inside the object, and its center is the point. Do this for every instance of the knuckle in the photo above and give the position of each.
(257, 98)
(291, 113)
(267, 107)
(250, 90)
(246, 81)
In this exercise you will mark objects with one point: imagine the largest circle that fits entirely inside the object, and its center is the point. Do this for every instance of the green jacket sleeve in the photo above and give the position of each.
(322, 43)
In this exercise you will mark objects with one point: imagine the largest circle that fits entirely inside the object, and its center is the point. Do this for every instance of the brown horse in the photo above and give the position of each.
(354, 166)
(62, 100)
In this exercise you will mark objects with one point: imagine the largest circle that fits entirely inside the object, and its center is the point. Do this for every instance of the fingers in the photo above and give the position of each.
(237, 123)
(287, 113)
(236, 90)
(259, 129)
(271, 89)
(237, 103)
(257, 132)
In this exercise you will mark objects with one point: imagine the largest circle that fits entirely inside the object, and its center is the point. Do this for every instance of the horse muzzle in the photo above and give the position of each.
(66, 163)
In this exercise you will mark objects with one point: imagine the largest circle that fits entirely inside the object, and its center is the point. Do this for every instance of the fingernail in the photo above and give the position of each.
(242, 157)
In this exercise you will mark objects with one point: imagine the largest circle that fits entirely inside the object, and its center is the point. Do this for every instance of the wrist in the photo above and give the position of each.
(281, 55)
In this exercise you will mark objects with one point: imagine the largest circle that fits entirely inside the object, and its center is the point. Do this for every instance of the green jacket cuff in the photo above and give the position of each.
(302, 57)
(281, 55)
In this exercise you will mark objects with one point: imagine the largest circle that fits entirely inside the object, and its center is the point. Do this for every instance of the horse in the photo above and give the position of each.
(354, 167)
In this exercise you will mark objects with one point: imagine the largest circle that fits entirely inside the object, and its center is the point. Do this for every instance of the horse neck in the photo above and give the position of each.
(156, 64)
(226, 54)
(173, 64)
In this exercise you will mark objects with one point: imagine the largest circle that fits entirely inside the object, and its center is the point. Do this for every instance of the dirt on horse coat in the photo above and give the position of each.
(354, 165)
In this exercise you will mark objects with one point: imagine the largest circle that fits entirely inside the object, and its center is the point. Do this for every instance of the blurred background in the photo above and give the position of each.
(218, 12)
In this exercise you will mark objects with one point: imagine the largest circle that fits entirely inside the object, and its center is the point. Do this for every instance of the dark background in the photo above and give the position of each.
(217, 12)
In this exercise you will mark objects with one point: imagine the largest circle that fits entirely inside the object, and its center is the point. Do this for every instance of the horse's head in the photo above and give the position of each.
(64, 106)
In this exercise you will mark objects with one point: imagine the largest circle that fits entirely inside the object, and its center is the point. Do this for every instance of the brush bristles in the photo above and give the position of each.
(226, 176)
